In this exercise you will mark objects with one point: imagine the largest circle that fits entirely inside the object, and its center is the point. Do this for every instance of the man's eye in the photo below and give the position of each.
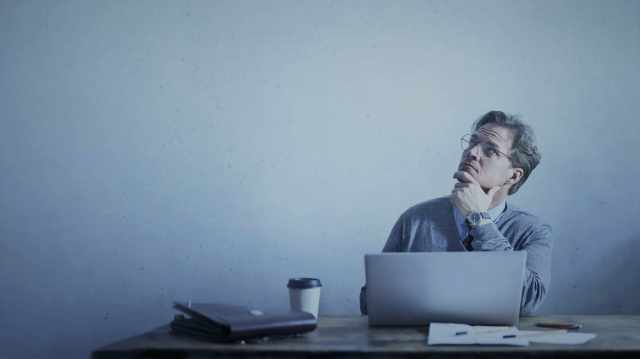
(492, 152)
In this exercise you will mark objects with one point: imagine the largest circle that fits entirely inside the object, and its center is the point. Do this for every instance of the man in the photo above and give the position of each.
(497, 159)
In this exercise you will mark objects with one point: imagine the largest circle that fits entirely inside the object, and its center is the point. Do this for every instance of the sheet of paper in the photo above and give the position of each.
(445, 333)
(463, 334)
(556, 337)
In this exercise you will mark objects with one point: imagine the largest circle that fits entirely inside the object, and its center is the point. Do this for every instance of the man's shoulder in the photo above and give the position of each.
(433, 207)
(525, 219)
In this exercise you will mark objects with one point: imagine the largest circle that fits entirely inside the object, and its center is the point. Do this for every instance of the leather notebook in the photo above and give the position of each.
(227, 323)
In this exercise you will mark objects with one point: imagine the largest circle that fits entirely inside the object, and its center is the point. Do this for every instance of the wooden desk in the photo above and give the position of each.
(350, 337)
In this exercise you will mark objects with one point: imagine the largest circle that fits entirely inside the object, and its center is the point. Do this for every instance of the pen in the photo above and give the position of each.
(559, 325)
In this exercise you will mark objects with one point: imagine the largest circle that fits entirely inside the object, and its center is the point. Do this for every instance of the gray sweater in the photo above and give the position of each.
(430, 226)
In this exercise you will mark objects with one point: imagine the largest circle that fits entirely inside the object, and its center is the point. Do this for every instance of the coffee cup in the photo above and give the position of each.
(304, 295)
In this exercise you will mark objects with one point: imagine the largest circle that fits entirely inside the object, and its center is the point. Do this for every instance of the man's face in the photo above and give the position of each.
(486, 156)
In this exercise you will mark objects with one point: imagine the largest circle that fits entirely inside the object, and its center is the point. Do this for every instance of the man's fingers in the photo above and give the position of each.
(464, 176)
(458, 175)
(461, 185)
(457, 191)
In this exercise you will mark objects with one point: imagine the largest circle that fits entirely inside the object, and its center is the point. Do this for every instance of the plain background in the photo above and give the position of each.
(153, 151)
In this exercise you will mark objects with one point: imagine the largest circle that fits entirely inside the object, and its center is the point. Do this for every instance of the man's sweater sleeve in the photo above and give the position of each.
(536, 240)
(396, 238)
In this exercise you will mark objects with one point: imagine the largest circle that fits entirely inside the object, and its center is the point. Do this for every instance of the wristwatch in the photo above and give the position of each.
(475, 219)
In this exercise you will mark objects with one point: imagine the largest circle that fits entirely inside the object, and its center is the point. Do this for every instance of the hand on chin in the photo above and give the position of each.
(467, 194)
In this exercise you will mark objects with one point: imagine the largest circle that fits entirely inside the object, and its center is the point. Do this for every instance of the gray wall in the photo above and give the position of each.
(155, 151)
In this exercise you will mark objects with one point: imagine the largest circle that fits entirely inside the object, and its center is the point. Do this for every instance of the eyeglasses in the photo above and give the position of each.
(489, 150)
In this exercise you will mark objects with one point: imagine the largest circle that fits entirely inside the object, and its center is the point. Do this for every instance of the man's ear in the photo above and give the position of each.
(516, 176)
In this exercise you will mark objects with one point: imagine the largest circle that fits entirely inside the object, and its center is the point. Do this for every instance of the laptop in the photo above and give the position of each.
(416, 288)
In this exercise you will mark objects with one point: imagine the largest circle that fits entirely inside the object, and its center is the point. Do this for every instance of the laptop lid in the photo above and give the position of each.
(417, 288)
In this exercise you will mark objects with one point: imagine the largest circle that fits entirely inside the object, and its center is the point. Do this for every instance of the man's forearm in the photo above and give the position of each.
(488, 237)
(533, 293)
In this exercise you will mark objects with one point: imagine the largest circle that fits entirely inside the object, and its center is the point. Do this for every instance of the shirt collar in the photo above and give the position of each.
(496, 211)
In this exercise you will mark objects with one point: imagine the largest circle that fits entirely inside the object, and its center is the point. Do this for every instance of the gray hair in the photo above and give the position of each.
(524, 152)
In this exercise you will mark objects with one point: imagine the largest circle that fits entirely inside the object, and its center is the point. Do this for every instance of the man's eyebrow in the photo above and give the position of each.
(476, 137)
(493, 144)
